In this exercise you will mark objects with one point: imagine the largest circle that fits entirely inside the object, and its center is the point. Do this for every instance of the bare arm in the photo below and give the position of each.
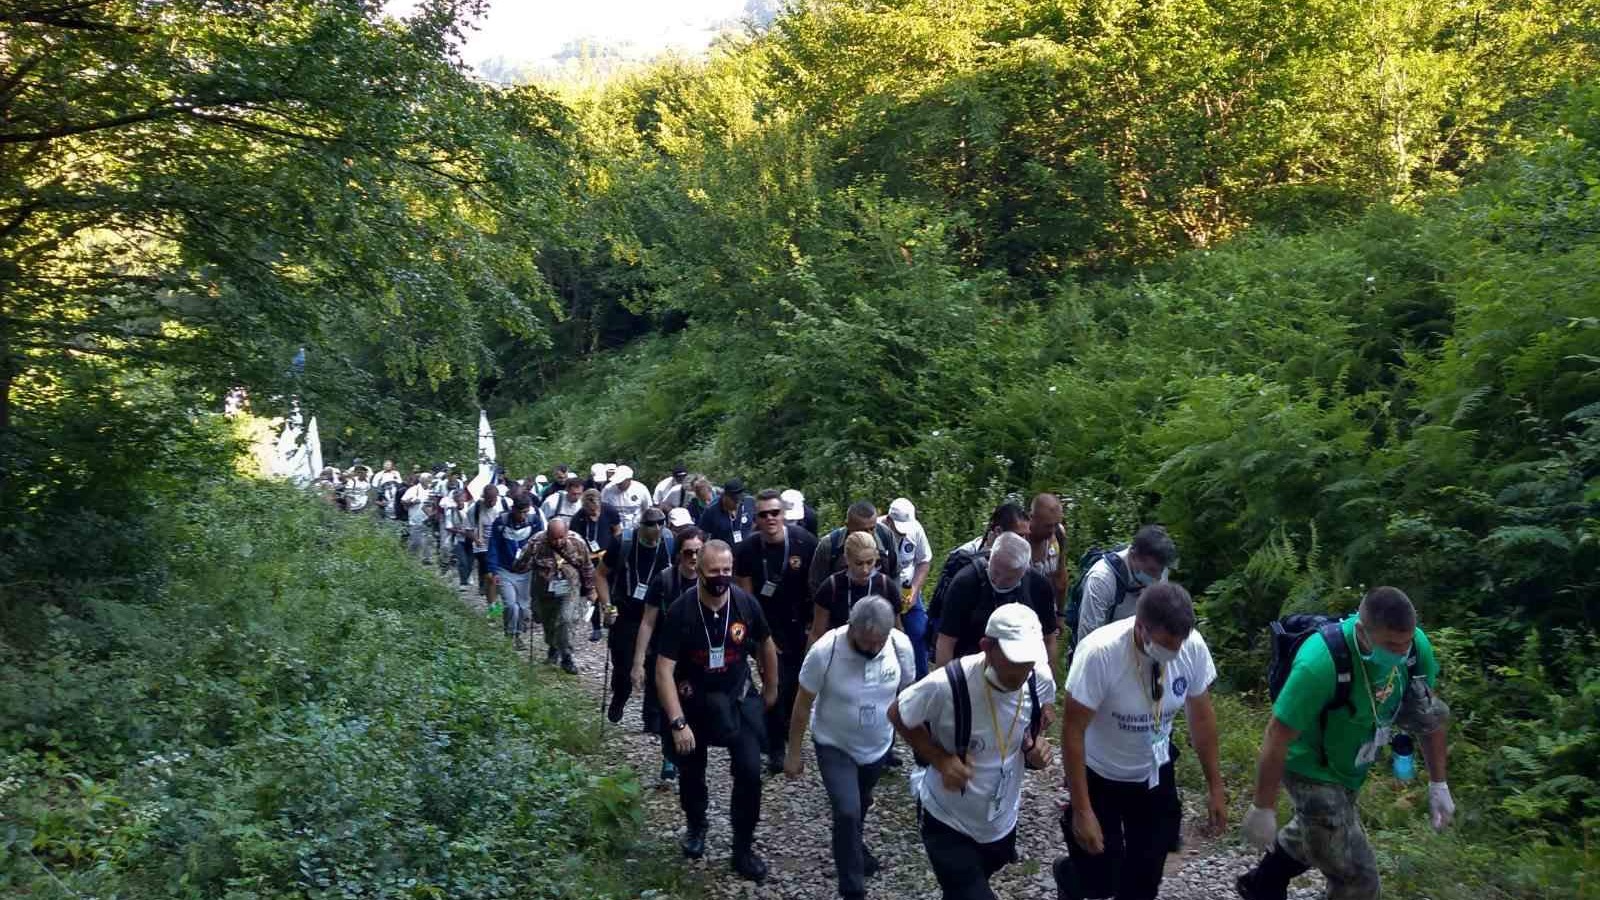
(1269, 768)
(797, 723)
(641, 644)
(919, 577)
(1203, 734)
(821, 621)
(1436, 754)
(919, 738)
(944, 650)
(667, 688)
(1085, 824)
(769, 672)
(602, 584)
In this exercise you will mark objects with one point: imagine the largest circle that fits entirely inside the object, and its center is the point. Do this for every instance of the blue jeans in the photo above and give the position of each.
(517, 612)
(915, 621)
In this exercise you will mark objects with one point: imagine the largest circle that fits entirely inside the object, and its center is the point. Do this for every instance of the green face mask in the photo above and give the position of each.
(1382, 656)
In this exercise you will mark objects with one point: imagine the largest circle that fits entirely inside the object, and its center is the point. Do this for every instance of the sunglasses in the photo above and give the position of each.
(1156, 687)
(769, 513)
(689, 551)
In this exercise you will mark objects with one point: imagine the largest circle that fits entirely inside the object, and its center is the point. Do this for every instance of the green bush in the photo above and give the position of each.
(297, 711)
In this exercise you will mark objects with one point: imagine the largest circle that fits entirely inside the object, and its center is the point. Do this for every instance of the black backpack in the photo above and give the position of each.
(1119, 568)
(957, 560)
(1290, 633)
(963, 696)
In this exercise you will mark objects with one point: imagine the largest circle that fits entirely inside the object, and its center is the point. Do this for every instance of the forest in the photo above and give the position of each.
(1315, 284)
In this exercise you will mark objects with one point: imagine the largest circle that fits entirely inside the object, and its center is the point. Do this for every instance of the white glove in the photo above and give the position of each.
(1260, 827)
(1440, 804)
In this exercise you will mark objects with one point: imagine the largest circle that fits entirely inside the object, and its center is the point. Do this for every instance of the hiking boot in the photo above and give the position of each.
(552, 657)
(869, 863)
(775, 765)
(694, 842)
(1269, 880)
(568, 666)
(1066, 879)
(750, 866)
(614, 709)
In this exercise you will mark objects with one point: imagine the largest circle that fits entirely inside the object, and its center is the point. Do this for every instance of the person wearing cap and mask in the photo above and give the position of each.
(563, 584)
(914, 557)
(1128, 682)
(798, 512)
(509, 534)
(623, 579)
(985, 585)
(770, 565)
(732, 518)
(708, 637)
(1111, 586)
(681, 578)
(970, 802)
(848, 679)
(670, 487)
(628, 497)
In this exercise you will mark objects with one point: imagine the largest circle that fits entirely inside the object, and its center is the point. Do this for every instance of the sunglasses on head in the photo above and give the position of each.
(768, 513)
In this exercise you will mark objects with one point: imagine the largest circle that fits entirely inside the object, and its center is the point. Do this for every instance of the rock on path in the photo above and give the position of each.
(794, 832)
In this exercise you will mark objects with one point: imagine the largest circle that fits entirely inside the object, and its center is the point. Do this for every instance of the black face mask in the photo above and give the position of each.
(718, 584)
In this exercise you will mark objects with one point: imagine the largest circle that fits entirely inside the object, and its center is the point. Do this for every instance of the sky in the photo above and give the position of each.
(533, 30)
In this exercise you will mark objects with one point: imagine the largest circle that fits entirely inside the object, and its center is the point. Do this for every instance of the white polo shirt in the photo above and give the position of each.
(1110, 677)
(854, 692)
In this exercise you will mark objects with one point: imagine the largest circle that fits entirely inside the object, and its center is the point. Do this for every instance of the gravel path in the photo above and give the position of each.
(794, 831)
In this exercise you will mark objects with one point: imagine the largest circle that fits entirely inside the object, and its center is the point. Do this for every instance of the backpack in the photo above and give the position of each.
(627, 553)
(887, 555)
(953, 564)
(963, 709)
(1290, 633)
(1119, 569)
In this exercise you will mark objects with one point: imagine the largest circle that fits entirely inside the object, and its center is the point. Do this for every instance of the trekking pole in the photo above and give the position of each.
(605, 685)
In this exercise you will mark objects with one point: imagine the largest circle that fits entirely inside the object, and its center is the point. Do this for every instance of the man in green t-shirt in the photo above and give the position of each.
(1324, 760)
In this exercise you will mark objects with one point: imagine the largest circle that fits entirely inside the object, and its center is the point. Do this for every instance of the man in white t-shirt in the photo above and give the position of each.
(626, 496)
(387, 476)
(914, 556)
(564, 503)
(1127, 683)
(670, 485)
(418, 501)
(1112, 586)
(970, 803)
(847, 682)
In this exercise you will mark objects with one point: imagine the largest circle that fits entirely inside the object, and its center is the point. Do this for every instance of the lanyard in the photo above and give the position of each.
(850, 597)
(594, 528)
(1004, 745)
(1160, 677)
(1372, 698)
(766, 575)
(655, 565)
(707, 629)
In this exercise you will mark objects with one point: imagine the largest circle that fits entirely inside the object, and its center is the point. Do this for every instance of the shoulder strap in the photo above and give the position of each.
(963, 706)
(1035, 714)
(1343, 670)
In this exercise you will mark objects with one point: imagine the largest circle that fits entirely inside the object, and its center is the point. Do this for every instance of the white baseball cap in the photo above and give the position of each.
(598, 472)
(902, 511)
(1017, 629)
(679, 517)
(794, 505)
(622, 474)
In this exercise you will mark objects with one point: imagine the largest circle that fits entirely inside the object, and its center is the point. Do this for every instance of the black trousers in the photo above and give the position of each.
(788, 689)
(620, 643)
(1139, 824)
(744, 763)
(962, 865)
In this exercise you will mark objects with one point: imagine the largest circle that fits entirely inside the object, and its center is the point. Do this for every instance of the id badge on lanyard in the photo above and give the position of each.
(716, 659)
(639, 590)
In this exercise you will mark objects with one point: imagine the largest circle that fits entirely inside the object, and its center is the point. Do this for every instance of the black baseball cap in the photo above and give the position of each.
(653, 516)
(734, 486)
(678, 471)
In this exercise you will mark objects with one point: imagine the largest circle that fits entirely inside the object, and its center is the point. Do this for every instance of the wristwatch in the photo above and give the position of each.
(679, 724)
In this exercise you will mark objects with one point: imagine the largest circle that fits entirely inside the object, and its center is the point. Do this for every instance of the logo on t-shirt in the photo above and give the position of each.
(794, 563)
(736, 632)
(1179, 686)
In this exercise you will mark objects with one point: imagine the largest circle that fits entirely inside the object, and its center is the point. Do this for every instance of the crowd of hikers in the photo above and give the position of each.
(859, 641)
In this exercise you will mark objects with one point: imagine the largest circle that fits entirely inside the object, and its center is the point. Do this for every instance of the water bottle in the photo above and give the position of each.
(1405, 765)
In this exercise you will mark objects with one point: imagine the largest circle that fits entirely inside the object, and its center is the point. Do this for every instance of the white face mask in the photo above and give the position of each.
(1159, 653)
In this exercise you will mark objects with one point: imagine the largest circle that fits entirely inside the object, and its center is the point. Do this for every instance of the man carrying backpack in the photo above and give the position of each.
(1128, 682)
(622, 580)
(1350, 685)
(978, 726)
(1008, 516)
(829, 557)
(984, 586)
(1110, 580)
(1048, 538)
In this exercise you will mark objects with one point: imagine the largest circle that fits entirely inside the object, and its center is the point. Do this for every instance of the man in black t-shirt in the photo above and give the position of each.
(622, 580)
(771, 566)
(668, 585)
(979, 589)
(708, 637)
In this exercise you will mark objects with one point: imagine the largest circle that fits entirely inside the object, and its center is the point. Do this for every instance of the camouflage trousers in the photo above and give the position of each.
(558, 616)
(1326, 832)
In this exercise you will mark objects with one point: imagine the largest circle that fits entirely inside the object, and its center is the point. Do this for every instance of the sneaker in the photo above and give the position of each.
(1066, 878)
(694, 842)
(750, 866)
(614, 710)
(568, 666)
(669, 772)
